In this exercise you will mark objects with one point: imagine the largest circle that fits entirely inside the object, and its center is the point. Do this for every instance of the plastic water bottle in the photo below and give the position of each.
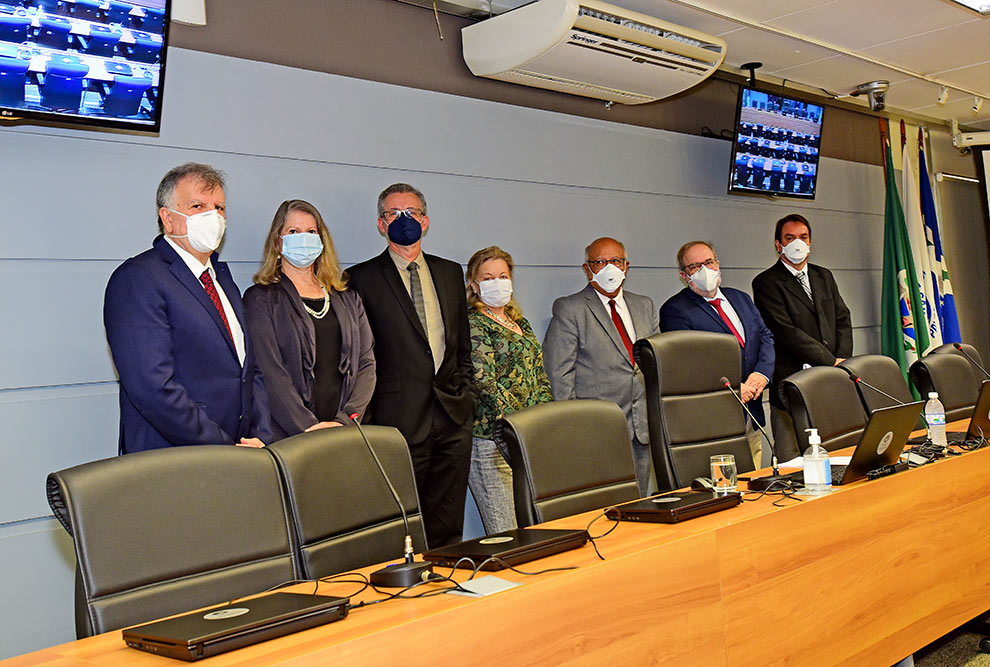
(817, 470)
(935, 418)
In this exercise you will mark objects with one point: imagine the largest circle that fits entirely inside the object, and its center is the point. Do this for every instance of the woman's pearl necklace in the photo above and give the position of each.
(509, 324)
(323, 311)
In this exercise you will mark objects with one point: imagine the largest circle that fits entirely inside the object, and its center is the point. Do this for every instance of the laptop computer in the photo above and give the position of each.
(674, 507)
(208, 632)
(979, 421)
(511, 547)
(880, 445)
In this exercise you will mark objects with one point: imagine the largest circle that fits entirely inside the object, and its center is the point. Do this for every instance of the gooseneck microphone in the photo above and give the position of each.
(858, 380)
(760, 483)
(408, 573)
(971, 359)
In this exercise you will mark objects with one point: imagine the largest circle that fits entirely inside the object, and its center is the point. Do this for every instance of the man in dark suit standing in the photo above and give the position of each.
(417, 309)
(173, 318)
(588, 348)
(800, 303)
(704, 305)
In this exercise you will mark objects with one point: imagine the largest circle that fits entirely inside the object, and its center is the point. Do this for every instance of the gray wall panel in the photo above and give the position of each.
(56, 323)
(48, 430)
(37, 580)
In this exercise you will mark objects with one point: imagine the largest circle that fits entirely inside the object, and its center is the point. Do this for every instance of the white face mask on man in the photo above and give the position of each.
(705, 279)
(796, 251)
(204, 230)
(609, 278)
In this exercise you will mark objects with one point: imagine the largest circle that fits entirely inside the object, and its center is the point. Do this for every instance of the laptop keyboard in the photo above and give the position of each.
(838, 472)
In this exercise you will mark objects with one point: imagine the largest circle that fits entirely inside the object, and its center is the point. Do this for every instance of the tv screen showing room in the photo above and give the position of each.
(91, 62)
(776, 144)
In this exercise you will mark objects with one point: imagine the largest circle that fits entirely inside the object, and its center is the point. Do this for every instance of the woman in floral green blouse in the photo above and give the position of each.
(509, 376)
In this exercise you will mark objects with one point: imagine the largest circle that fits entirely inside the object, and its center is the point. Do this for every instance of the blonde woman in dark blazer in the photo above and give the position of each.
(311, 334)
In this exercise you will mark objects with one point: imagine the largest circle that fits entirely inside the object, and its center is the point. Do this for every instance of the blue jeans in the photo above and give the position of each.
(490, 480)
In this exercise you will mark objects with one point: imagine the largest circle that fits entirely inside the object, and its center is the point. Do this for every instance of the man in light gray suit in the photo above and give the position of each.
(588, 352)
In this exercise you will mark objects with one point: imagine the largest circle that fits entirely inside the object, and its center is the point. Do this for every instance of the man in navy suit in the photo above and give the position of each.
(706, 306)
(173, 319)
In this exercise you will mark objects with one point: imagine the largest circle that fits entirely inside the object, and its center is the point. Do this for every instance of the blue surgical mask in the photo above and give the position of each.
(301, 250)
(404, 230)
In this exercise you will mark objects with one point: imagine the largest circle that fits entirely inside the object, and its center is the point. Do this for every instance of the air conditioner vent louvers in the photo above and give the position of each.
(574, 87)
(652, 30)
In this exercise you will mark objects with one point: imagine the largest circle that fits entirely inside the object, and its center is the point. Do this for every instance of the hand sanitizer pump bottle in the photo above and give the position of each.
(817, 472)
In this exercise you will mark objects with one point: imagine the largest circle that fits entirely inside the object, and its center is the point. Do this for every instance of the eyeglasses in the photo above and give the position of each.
(393, 213)
(598, 264)
(695, 266)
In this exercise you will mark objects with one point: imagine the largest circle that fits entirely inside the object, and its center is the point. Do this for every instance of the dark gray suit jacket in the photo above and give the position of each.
(585, 358)
(407, 383)
(285, 342)
(803, 332)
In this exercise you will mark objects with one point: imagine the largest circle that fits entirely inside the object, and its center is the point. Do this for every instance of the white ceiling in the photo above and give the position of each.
(837, 44)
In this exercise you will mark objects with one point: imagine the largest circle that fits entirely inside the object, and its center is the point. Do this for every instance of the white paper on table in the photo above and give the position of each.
(483, 586)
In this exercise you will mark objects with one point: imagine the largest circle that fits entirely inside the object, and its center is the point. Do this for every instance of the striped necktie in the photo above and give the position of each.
(416, 293)
(802, 277)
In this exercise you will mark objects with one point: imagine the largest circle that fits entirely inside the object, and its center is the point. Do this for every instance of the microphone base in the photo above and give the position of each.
(763, 483)
(401, 575)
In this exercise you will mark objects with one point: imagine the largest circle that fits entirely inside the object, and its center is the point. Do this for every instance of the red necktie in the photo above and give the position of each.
(725, 318)
(623, 334)
(211, 289)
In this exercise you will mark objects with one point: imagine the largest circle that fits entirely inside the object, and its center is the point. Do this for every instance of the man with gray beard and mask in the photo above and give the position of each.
(588, 353)
(704, 305)
(800, 303)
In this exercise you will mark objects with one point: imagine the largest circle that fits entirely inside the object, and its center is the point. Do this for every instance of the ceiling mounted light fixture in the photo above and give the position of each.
(977, 104)
(943, 95)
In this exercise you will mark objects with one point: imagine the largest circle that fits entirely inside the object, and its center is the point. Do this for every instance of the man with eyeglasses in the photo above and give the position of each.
(417, 310)
(704, 305)
(800, 302)
(588, 348)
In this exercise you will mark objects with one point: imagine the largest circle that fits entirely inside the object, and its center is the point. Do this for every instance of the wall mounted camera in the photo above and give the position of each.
(876, 93)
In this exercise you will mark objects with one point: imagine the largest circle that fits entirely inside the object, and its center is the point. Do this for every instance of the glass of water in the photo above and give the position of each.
(724, 473)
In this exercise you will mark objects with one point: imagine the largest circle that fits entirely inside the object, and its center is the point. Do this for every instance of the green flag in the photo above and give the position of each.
(900, 339)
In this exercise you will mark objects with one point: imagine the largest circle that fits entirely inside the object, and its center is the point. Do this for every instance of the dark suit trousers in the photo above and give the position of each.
(441, 465)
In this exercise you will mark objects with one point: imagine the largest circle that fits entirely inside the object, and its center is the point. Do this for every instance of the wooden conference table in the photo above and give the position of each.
(866, 575)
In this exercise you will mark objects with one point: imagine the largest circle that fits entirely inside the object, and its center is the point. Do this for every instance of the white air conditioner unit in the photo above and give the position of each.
(593, 49)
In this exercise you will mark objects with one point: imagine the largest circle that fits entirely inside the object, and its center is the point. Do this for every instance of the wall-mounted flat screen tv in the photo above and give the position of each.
(88, 62)
(776, 144)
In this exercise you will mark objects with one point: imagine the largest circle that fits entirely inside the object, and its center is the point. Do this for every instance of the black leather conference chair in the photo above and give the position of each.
(691, 415)
(974, 356)
(343, 514)
(170, 530)
(951, 375)
(823, 397)
(884, 374)
(567, 457)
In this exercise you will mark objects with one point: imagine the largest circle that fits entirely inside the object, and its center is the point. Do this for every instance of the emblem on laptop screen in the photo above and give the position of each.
(496, 540)
(667, 499)
(884, 443)
(226, 612)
